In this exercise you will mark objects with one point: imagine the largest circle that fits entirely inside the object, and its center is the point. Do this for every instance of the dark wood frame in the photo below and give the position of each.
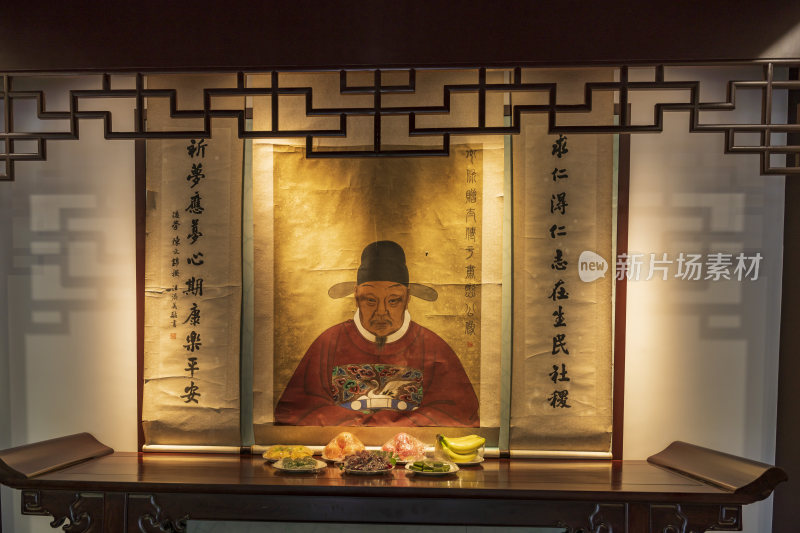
(784, 517)
(141, 215)
(621, 296)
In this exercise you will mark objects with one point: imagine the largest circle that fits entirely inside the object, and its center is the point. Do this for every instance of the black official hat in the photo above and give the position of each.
(383, 261)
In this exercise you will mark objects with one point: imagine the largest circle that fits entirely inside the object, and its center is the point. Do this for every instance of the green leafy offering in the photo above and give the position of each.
(299, 463)
(429, 466)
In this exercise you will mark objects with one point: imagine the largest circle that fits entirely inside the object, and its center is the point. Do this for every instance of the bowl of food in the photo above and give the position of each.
(299, 465)
(367, 463)
(293, 451)
(431, 467)
(342, 445)
(405, 448)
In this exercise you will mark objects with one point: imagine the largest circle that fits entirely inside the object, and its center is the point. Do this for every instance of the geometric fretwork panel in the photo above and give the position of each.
(518, 92)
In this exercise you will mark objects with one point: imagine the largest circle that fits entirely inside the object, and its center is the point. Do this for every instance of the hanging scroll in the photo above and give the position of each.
(347, 232)
(562, 356)
(193, 276)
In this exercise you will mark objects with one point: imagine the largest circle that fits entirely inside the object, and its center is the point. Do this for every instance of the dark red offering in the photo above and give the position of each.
(366, 461)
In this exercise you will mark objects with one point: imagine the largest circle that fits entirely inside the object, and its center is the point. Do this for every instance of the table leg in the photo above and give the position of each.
(114, 511)
(638, 517)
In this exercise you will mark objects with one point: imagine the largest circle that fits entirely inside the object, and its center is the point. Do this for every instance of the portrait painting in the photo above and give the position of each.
(379, 309)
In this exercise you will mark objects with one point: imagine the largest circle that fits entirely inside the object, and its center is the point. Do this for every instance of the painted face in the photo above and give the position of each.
(382, 306)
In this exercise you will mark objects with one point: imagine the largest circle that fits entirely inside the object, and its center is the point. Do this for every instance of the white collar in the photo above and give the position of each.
(396, 336)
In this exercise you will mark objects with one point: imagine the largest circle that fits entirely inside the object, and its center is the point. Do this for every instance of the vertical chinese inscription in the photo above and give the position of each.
(471, 179)
(472, 232)
(194, 272)
(560, 266)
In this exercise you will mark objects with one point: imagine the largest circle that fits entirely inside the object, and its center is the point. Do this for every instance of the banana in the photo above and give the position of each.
(461, 449)
(464, 445)
(458, 457)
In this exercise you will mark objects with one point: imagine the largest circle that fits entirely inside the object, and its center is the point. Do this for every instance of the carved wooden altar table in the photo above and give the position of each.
(87, 487)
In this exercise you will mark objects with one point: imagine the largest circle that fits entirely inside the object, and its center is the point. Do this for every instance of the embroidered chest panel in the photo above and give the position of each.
(371, 387)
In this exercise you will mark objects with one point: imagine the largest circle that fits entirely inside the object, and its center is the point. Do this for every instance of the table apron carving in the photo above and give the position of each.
(690, 518)
(74, 512)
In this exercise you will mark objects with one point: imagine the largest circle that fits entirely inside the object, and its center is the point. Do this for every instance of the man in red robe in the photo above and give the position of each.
(380, 368)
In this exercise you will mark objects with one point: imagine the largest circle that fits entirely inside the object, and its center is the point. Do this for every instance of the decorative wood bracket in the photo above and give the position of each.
(682, 518)
(151, 517)
(74, 512)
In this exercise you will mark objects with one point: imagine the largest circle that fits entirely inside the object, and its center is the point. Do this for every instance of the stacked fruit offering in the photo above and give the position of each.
(461, 449)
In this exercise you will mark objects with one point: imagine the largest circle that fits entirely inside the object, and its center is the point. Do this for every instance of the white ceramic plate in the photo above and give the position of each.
(477, 461)
(366, 472)
(453, 469)
(406, 461)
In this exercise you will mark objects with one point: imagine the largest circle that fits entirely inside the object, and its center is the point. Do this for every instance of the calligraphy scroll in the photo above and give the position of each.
(563, 275)
(193, 275)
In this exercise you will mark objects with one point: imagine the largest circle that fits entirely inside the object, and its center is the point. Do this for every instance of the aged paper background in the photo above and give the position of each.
(325, 212)
(167, 417)
(535, 423)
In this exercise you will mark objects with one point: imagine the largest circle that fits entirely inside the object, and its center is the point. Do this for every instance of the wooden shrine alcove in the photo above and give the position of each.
(684, 488)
